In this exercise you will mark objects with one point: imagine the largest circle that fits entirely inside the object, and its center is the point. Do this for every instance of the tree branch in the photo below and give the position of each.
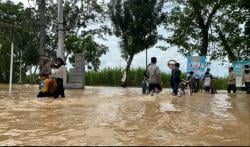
(210, 16)
(199, 17)
(224, 42)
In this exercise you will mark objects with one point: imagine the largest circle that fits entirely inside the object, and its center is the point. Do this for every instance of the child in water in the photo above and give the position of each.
(47, 86)
(144, 85)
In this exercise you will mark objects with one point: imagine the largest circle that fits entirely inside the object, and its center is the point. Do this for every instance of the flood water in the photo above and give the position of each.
(118, 116)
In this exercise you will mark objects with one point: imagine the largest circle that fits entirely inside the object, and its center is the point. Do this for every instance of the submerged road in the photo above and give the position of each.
(118, 116)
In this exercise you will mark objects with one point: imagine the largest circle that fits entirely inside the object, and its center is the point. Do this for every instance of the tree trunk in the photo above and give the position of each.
(204, 26)
(125, 83)
(30, 74)
(204, 42)
(227, 48)
(42, 27)
(24, 71)
(60, 44)
(33, 74)
(7, 73)
(42, 34)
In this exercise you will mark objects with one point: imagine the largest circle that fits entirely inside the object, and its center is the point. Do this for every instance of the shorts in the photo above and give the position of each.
(153, 86)
(207, 88)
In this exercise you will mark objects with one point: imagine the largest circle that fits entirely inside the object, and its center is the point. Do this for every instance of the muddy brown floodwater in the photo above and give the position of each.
(118, 116)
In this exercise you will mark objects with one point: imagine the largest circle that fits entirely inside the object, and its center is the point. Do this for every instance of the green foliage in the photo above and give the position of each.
(92, 50)
(232, 41)
(25, 38)
(78, 39)
(209, 28)
(245, 4)
(4, 58)
(77, 15)
(135, 21)
(105, 77)
(221, 83)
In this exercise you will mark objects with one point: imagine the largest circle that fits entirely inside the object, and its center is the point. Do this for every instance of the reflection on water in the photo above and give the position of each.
(118, 116)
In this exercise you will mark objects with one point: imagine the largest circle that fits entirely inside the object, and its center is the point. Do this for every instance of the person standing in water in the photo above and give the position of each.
(175, 78)
(207, 80)
(246, 78)
(231, 84)
(154, 77)
(144, 85)
(61, 77)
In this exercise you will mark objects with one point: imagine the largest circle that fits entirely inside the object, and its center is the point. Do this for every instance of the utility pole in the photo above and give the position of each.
(11, 61)
(146, 58)
(10, 27)
(60, 50)
(20, 67)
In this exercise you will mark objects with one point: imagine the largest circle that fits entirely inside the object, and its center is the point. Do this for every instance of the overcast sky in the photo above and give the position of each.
(113, 57)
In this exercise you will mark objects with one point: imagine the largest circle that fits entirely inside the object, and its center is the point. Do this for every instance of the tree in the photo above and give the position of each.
(92, 50)
(27, 41)
(190, 22)
(207, 28)
(25, 38)
(229, 35)
(135, 22)
(42, 24)
(245, 4)
(77, 15)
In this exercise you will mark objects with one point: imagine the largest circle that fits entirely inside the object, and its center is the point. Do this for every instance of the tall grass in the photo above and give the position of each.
(221, 83)
(112, 77)
(105, 77)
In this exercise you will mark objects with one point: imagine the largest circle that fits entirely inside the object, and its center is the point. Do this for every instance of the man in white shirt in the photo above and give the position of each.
(231, 84)
(154, 77)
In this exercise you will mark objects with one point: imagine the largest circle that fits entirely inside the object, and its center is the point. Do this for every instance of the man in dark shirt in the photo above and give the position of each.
(175, 78)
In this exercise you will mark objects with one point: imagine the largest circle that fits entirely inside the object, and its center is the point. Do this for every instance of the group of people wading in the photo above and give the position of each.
(51, 84)
(152, 82)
